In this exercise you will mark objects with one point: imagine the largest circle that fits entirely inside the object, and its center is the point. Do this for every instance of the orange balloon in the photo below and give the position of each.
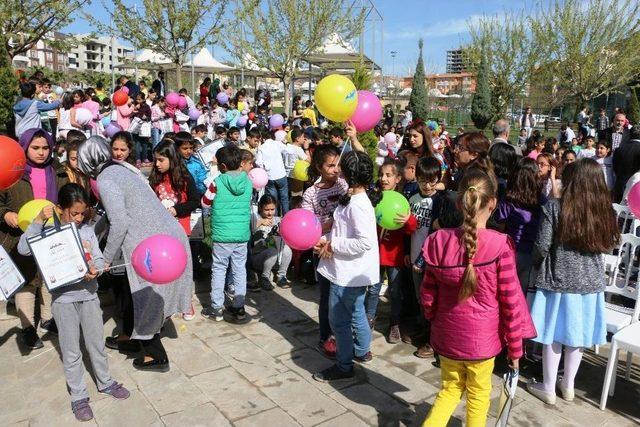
(120, 98)
(12, 162)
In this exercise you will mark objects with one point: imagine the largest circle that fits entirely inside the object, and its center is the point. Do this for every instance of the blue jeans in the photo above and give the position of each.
(156, 135)
(279, 189)
(143, 148)
(232, 257)
(349, 324)
(373, 295)
(323, 307)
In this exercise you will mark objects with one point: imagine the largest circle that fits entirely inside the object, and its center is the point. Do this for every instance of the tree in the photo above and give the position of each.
(418, 98)
(8, 91)
(277, 35)
(25, 22)
(589, 49)
(172, 28)
(481, 106)
(634, 108)
(506, 44)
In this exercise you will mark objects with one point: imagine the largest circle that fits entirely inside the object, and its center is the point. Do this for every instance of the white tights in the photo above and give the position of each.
(551, 360)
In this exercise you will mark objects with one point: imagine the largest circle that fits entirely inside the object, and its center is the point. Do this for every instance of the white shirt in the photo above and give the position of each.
(586, 153)
(290, 155)
(570, 135)
(269, 158)
(355, 261)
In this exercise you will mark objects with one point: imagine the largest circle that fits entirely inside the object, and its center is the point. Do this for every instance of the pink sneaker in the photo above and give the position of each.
(189, 315)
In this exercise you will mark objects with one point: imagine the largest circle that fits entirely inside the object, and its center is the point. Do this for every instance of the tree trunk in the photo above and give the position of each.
(287, 95)
(179, 76)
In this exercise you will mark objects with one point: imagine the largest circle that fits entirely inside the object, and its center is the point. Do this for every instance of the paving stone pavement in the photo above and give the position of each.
(259, 374)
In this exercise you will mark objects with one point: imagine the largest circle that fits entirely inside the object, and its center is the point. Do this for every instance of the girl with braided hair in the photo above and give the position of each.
(472, 297)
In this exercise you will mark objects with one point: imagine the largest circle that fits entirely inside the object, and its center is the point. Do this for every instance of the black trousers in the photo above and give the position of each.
(122, 291)
(154, 348)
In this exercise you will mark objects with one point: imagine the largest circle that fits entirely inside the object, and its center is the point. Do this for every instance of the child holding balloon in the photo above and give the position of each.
(392, 254)
(350, 262)
(41, 179)
(77, 306)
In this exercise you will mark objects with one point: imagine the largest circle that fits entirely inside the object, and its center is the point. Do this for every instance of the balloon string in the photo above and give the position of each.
(347, 142)
(113, 266)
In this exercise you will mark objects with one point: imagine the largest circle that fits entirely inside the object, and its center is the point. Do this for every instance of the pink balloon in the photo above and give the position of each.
(159, 259)
(172, 99)
(182, 102)
(259, 178)
(390, 138)
(83, 115)
(633, 199)
(300, 229)
(368, 111)
(94, 188)
(125, 89)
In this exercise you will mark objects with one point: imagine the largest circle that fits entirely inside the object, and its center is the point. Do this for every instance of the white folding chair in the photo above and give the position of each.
(626, 219)
(619, 318)
(626, 339)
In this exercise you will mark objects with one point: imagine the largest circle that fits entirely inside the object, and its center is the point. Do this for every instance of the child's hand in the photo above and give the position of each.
(553, 173)
(11, 218)
(417, 269)
(402, 219)
(320, 245)
(350, 129)
(45, 214)
(172, 211)
(91, 274)
(326, 251)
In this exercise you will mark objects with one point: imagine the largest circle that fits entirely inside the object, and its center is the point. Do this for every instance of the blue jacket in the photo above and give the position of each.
(27, 113)
(198, 172)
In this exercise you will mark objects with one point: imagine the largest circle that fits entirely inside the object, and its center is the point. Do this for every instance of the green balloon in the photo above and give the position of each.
(392, 204)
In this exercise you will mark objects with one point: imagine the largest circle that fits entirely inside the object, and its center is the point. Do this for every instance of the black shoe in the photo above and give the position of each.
(253, 287)
(364, 359)
(333, 374)
(283, 283)
(212, 313)
(31, 339)
(124, 346)
(265, 284)
(49, 327)
(152, 365)
(237, 315)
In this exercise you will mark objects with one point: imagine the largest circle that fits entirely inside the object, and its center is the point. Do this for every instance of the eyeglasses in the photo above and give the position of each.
(460, 148)
(431, 183)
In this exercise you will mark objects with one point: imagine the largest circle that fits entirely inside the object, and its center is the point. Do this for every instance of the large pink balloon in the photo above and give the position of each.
(633, 199)
(300, 229)
(83, 116)
(259, 178)
(368, 111)
(172, 99)
(159, 259)
(182, 102)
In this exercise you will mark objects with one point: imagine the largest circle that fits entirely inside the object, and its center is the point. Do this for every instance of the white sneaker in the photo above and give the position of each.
(190, 315)
(537, 390)
(568, 394)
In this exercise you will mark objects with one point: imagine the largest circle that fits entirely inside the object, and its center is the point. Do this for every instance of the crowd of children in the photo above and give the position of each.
(486, 226)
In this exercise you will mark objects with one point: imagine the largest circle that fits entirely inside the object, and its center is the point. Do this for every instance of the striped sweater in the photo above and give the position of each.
(496, 315)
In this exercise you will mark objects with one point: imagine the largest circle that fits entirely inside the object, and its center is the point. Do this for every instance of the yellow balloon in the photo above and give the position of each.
(300, 170)
(289, 137)
(240, 106)
(30, 210)
(336, 97)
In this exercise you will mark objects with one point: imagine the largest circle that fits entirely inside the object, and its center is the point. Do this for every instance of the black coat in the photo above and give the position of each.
(626, 162)
(158, 86)
(609, 132)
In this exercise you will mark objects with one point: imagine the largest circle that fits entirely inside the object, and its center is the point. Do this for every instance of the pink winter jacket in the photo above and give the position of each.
(496, 315)
(124, 116)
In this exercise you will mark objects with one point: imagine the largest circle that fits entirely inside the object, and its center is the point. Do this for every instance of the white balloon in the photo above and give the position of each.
(83, 116)
(59, 91)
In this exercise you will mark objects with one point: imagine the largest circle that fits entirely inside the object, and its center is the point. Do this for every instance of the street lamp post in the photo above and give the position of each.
(393, 75)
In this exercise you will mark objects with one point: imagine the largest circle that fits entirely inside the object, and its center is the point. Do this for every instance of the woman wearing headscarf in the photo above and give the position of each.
(134, 214)
(42, 178)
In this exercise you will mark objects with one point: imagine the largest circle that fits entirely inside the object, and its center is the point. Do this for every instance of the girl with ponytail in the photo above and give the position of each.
(471, 295)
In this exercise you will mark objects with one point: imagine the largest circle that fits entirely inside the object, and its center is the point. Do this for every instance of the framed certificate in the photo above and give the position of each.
(12, 279)
(59, 255)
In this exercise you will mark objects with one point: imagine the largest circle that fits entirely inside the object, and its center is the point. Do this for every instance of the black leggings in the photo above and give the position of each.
(154, 348)
(123, 294)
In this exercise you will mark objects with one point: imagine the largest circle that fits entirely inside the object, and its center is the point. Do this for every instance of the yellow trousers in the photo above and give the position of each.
(459, 376)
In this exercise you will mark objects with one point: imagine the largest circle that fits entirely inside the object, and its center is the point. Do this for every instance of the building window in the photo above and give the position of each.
(60, 67)
(49, 56)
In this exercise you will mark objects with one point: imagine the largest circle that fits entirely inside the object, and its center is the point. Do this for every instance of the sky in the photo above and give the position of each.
(441, 23)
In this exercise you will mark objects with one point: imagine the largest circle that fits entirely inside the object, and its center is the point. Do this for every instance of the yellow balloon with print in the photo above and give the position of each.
(336, 97)
(301, 170)
(30, 210)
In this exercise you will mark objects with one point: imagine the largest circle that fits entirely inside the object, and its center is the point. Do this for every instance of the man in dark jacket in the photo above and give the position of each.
(626, 161)
(159, 85)
(618, 133)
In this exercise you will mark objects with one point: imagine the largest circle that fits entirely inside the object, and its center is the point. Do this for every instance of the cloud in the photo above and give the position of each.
(446, 28)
